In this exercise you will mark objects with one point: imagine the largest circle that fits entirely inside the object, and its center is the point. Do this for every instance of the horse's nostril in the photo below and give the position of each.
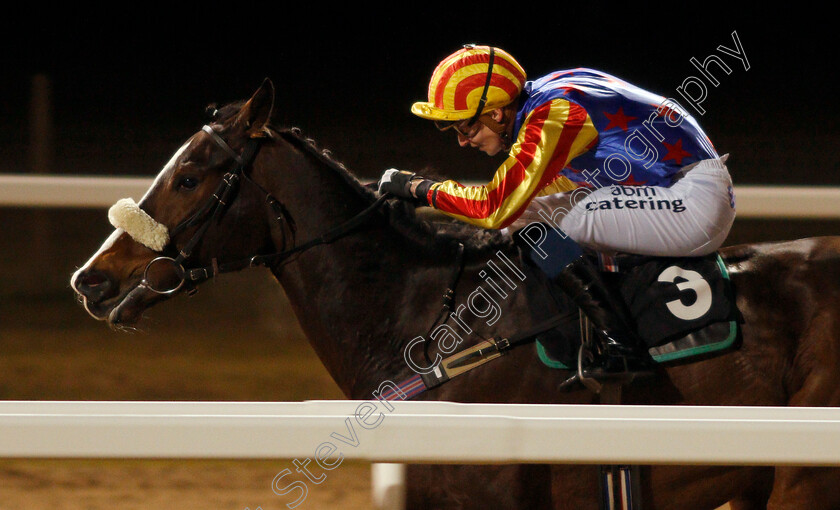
(93, 284)
(94, 280)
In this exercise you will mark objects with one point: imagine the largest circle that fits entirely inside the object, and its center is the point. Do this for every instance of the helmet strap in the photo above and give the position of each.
(483, 100)
(497, 127)
(504, 128)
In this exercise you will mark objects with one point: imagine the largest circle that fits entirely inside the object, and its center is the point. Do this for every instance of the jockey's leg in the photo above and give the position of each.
(692, 217)
(560, 259)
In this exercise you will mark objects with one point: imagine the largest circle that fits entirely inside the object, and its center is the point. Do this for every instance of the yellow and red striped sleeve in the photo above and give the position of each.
(553, 134)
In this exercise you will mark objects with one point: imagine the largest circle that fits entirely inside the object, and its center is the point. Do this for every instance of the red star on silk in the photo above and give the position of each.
(567, 89)
(675, 152)
(613, 79)
(582, 183)
(661, 110)
(631, 181)
(618, 119)
(671, 115)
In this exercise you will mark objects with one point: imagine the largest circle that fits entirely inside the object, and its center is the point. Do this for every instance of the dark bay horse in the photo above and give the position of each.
(361, 298)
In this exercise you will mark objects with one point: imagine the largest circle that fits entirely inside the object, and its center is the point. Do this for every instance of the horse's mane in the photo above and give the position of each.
(432, 236)
(428, 234)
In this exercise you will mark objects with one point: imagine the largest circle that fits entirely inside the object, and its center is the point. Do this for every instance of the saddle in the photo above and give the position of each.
(682, 308)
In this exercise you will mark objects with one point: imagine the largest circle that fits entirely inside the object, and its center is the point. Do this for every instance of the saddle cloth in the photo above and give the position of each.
(683, 308)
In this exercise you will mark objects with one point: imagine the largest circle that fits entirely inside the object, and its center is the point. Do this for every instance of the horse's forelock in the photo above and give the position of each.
(224, 113)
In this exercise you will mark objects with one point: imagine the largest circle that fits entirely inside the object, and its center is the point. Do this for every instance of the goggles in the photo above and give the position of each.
(466, 128)
(469, 128)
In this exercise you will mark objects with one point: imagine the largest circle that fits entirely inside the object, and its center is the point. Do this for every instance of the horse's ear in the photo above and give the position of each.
(258, 112)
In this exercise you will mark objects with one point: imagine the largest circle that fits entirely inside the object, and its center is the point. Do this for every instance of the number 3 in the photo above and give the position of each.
(695, 282)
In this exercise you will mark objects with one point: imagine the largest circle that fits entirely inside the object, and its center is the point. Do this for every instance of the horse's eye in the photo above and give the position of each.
(188, 183)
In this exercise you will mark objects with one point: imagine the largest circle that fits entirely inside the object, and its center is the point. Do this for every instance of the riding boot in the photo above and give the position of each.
(622, 349)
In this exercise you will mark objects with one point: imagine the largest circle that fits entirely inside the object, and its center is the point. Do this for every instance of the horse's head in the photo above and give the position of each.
(197, 212)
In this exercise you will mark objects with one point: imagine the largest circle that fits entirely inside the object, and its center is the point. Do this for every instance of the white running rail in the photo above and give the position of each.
(27, 190)
(417, 431)
(423, 432)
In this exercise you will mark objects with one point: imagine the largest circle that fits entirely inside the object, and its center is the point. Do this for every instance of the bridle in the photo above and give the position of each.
(214, 208)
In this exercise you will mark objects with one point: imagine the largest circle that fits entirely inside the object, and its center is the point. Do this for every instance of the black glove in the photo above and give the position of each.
(400, 183)
(396, 182)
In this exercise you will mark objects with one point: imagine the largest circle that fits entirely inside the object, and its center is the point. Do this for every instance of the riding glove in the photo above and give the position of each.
(400, 183)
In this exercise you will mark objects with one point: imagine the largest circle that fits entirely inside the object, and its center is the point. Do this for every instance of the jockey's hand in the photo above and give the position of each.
(407, 185)
(396, 182)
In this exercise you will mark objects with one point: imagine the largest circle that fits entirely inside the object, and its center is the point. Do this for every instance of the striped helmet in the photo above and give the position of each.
(471, 81)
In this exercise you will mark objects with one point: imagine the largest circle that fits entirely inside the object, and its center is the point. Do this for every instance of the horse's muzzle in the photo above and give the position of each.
(93, 286)
(98, 293)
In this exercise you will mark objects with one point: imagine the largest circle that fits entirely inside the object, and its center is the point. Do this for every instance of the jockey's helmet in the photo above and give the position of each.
(470, 82)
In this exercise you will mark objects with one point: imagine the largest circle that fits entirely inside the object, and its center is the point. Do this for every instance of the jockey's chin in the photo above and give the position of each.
(485, 140)
(492, 149)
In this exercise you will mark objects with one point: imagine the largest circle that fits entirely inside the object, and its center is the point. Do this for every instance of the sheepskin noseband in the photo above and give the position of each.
(127, 215)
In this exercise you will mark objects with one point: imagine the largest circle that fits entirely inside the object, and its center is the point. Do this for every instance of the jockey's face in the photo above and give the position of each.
(482, 137)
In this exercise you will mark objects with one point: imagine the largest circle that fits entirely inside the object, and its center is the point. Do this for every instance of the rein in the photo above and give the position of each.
(215, 206)
(198, 275)
(213, 209)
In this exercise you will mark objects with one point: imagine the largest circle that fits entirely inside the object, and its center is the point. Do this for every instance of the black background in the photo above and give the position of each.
(127, 88)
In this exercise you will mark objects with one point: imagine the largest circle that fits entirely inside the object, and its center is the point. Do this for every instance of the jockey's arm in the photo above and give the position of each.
(553, 134)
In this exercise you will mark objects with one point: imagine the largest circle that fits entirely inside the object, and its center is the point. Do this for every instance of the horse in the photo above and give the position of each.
(371, 283)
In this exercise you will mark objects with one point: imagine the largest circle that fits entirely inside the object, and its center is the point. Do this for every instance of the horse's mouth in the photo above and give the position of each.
(125, 309)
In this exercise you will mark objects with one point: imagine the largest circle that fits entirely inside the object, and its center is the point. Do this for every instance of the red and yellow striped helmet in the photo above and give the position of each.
(471, 81)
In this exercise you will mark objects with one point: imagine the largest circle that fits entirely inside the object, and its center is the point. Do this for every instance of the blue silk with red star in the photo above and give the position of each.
(619, 111)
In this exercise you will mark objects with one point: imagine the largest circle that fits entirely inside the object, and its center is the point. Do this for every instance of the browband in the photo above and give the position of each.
(223, 144)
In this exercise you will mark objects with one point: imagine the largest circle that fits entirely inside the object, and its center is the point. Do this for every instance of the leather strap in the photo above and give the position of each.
(483, 100)
(223, 144)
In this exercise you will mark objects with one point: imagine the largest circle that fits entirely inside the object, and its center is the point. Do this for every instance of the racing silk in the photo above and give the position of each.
(575, 128)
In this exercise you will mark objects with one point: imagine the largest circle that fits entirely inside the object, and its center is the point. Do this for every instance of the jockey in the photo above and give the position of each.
(596, 162)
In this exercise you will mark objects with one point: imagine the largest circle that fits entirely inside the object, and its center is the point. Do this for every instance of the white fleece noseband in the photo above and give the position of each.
(127, 215)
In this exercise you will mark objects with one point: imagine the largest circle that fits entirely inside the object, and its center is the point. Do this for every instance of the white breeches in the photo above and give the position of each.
(692, 217)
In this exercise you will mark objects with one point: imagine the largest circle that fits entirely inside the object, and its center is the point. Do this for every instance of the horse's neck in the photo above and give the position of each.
(350, 296)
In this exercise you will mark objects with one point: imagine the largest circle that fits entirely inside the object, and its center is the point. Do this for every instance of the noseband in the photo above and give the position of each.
(214, 208)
